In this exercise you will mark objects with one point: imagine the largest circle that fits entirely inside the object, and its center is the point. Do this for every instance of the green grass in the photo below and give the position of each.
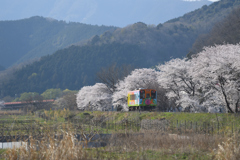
(194, 117)
(2, 151)
(226, 121)
(206, 122)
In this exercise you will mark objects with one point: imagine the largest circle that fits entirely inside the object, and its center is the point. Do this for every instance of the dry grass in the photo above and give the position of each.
(50, 148)
(229, 149)
(167, 143)
(147, 145)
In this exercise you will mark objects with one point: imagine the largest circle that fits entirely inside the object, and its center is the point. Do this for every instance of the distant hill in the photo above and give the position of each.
(26, 39)
(101, 12)
(224, 32)
(139, 44)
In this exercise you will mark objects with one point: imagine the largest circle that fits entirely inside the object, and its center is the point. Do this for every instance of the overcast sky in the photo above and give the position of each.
(101, 12)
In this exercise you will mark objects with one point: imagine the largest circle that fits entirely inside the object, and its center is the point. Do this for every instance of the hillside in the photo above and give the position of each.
(207, 16)
(26, 39)
(224, 32)
(172, 39)
(139, 44)
(71, 68)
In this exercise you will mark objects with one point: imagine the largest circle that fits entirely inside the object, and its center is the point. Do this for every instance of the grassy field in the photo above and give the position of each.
(181, 116)
(118, 116)
(128, 141)
(115, 121)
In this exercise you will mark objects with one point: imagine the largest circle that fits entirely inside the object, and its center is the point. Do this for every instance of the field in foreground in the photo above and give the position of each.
(67, 135)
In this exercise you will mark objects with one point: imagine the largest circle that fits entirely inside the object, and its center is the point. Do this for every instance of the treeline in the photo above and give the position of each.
(47, 94)
(64, 99)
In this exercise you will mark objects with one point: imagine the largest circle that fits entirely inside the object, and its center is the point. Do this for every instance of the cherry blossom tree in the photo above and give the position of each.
(218, 70)
(96, 97)
(207, 82)
(139, 78)
(175, 78)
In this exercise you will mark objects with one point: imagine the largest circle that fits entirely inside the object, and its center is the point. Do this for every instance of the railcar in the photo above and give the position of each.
(142, 99)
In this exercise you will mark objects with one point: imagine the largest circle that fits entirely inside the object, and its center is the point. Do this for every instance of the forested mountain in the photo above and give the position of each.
(139, 44)
(26, 39)
(72, 68)
(224, 32)
(174, 38)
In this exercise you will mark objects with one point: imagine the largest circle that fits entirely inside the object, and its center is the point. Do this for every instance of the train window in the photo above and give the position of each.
(142, 94)
(132, 97)
(148, 95)
(153, 94)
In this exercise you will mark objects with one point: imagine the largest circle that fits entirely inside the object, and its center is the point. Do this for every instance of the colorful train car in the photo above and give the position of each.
(143, 99)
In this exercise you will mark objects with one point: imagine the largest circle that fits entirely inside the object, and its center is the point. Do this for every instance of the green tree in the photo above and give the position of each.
(28, 96)
(52, 93)
(69, 92)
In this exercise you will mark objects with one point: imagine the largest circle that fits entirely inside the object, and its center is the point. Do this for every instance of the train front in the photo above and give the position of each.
(148, 99)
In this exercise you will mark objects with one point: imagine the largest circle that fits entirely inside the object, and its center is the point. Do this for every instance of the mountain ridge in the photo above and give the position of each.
(38, 36)
(104, 12)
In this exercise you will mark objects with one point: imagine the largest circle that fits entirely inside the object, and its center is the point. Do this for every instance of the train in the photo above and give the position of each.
(142, 99)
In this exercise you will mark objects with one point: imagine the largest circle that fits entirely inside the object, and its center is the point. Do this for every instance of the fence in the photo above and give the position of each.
(13, 131)
(109, 125)
(5, 145)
